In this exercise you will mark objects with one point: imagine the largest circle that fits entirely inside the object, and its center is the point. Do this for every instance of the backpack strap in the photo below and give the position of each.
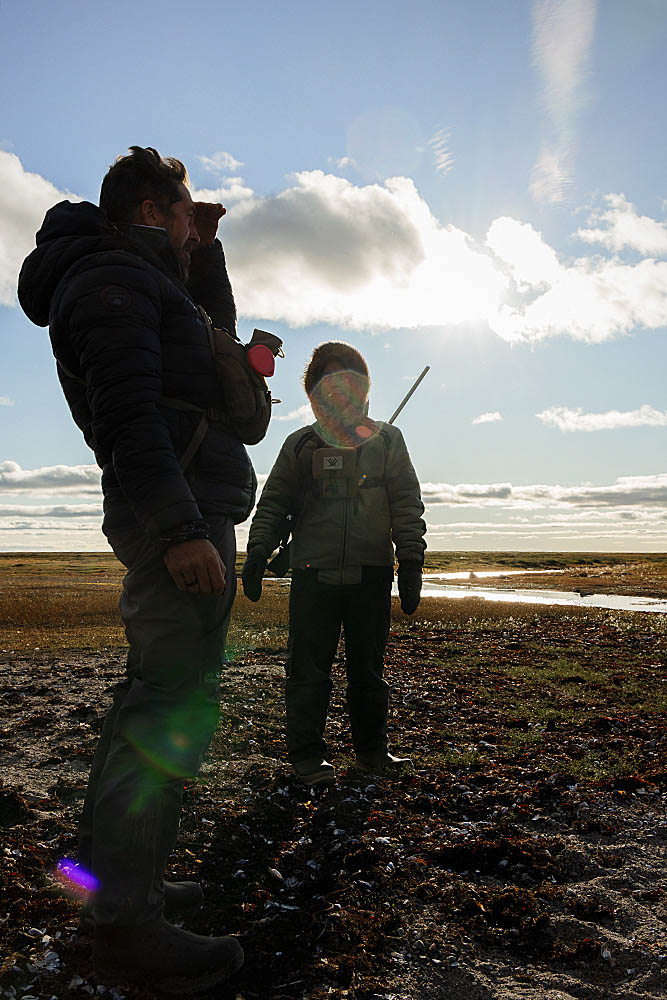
(309, 435)
(211, 414)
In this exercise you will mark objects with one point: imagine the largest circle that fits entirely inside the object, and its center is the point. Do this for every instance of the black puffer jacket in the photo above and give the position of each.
(126, 332)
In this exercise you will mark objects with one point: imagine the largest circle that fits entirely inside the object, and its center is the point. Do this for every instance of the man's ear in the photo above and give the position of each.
(148, 214)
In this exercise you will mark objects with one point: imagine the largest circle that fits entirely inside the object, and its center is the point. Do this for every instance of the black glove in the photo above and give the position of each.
(409, 585)
(252, 574)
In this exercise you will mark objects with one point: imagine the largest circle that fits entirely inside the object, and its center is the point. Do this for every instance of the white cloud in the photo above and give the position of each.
(530, 260)
(615, 537)
(51, 510)
(303, 413)
(373, 257)
(474, 494)
(488, 418)
(623, 227)
(36, 535)
(590, 299)
(50, 525)
(24, 199)
(439, 143)
(627, 513)
(6, 401)
(627, 491)
(231, 191)
(566, 419)
(220, 162)
(562, 36)
(83, 479)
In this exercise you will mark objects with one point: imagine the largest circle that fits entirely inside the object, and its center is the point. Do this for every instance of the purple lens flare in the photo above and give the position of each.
(76, 874)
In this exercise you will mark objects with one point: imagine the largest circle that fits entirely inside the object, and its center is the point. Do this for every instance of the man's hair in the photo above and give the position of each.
(140, 176)
(345, 355)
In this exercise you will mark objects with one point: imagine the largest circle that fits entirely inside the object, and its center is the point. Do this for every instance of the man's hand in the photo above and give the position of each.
(252, 574)
(409, 585)
(196, 567)
(207, 216)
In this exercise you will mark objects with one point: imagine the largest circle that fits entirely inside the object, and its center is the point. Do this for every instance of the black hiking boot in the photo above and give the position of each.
(314, 772)
(171, 961)
(180, 899)
(383, 763)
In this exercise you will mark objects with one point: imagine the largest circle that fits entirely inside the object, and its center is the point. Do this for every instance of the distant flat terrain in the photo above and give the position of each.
(60, 600)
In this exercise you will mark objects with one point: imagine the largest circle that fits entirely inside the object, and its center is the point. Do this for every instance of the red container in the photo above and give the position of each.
(261, 359)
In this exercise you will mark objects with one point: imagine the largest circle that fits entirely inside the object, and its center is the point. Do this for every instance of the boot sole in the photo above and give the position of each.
(176, 986)
(317, 780)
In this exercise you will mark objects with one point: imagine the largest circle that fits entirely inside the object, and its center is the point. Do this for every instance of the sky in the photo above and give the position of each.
(474, 186)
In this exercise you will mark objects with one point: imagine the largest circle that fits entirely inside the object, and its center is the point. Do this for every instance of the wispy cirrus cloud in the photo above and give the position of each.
(439, 143)
(620, 226)
(488, 418)
(550, 176)
(562, 37)
(566, 419)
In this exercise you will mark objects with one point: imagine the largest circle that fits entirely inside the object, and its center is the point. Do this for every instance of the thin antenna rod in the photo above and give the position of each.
(407, 397)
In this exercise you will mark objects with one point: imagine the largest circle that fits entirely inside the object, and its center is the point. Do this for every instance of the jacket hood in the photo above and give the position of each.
(72, 231)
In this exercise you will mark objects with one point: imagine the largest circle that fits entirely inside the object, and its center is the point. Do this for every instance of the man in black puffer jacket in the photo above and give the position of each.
(120, 287)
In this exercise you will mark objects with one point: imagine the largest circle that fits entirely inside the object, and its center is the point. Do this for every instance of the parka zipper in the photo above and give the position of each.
(344, 545)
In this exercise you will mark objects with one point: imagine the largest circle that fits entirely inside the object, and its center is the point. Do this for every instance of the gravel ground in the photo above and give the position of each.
(522, 857)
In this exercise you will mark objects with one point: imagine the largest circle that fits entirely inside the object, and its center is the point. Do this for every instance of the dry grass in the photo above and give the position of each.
(53, 601)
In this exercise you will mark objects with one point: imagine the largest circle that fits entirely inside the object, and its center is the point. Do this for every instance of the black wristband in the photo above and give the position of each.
(188, 532)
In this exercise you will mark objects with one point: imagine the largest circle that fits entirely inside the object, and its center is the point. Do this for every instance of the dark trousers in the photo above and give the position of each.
(155, 735)
(317, 613)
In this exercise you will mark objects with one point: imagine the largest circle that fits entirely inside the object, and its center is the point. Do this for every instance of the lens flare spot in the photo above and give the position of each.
(75, 877)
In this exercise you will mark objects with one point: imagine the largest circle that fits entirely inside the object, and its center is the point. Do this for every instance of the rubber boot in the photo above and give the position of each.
(171, 961)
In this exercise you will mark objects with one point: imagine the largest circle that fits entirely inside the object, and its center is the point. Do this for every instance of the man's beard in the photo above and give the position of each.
(184, 263)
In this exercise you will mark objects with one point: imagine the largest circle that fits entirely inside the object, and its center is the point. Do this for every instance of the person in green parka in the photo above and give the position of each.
(347, 487)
